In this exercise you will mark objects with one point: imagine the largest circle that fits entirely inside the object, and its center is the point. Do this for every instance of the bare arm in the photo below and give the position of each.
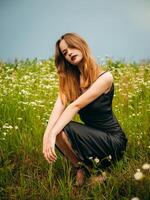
(55, 114)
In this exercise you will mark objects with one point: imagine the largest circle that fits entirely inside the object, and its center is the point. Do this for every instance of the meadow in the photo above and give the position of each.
(28, 90)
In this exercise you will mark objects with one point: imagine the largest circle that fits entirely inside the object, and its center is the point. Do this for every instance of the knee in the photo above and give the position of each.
(60, 137)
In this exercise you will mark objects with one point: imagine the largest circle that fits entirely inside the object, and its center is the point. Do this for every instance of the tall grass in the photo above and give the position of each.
(28, 90)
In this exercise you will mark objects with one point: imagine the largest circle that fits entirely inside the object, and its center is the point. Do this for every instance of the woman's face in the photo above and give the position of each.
(71, 54)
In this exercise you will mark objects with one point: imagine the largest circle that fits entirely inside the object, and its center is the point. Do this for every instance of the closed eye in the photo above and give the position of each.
(64, 52)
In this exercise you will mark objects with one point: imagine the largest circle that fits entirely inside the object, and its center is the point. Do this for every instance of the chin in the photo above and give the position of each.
(78, 62)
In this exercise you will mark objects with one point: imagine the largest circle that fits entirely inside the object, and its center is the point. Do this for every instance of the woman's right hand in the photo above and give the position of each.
(48, 147)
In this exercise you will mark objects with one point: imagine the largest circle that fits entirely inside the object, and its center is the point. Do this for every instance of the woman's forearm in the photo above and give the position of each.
(55, 114)
(65, 118)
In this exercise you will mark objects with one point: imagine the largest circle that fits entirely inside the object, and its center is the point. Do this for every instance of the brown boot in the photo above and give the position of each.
(79, 180)
(80, 177)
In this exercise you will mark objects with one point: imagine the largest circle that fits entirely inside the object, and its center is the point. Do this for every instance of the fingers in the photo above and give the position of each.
(49, 148)
(50, 155)
(53, 153)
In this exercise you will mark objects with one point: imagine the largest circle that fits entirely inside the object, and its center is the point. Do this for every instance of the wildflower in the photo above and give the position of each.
(135, 198)
(19, 118)
(16, 127)
(109, 157)
(138, 176)
(25, 103)
(4, 133)
(96, 160)
(25, 77)
(146, 166)
(39, 63)
(33, 103)
(24, 92)
(104, 174)
(90, 158)
(7, 126)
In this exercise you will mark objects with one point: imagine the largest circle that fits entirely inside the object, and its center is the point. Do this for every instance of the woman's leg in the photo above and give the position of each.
(65, 146)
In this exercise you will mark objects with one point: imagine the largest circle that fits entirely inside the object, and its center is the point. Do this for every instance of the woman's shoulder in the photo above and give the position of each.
(107, 75)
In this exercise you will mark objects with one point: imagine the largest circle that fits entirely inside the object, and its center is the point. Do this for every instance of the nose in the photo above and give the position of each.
(69, 52)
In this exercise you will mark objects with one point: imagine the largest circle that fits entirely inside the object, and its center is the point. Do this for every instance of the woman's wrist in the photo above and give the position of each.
(47, 133)
(53, 132)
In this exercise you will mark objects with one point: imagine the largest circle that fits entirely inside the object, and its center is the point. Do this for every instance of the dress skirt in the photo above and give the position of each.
(88, 142)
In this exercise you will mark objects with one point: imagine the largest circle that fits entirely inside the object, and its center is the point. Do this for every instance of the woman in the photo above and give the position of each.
(86, 89)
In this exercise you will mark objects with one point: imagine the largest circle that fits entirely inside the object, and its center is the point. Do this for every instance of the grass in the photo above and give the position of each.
(28, 90)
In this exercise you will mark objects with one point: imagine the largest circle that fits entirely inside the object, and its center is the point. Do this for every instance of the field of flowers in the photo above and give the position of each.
(28, 90)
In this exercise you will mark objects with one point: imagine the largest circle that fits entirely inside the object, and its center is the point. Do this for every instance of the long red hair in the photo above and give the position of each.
(69, 75)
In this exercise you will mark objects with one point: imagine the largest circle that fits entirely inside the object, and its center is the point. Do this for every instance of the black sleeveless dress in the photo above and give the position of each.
(101, 135)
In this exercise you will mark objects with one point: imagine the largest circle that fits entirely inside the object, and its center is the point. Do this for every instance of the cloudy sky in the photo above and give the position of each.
(116, 28)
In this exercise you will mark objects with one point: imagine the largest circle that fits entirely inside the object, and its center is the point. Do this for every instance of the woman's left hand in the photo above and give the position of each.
(49, 147)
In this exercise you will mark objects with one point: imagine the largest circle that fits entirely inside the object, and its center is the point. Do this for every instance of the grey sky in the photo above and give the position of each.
(117, 28)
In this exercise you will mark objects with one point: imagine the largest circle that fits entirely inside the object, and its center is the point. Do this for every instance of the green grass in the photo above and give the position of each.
(28, 90)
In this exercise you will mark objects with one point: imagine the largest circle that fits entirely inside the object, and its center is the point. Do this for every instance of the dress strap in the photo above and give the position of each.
(102, 73)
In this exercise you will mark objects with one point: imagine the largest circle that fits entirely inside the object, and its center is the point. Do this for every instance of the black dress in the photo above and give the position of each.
(101, 135)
